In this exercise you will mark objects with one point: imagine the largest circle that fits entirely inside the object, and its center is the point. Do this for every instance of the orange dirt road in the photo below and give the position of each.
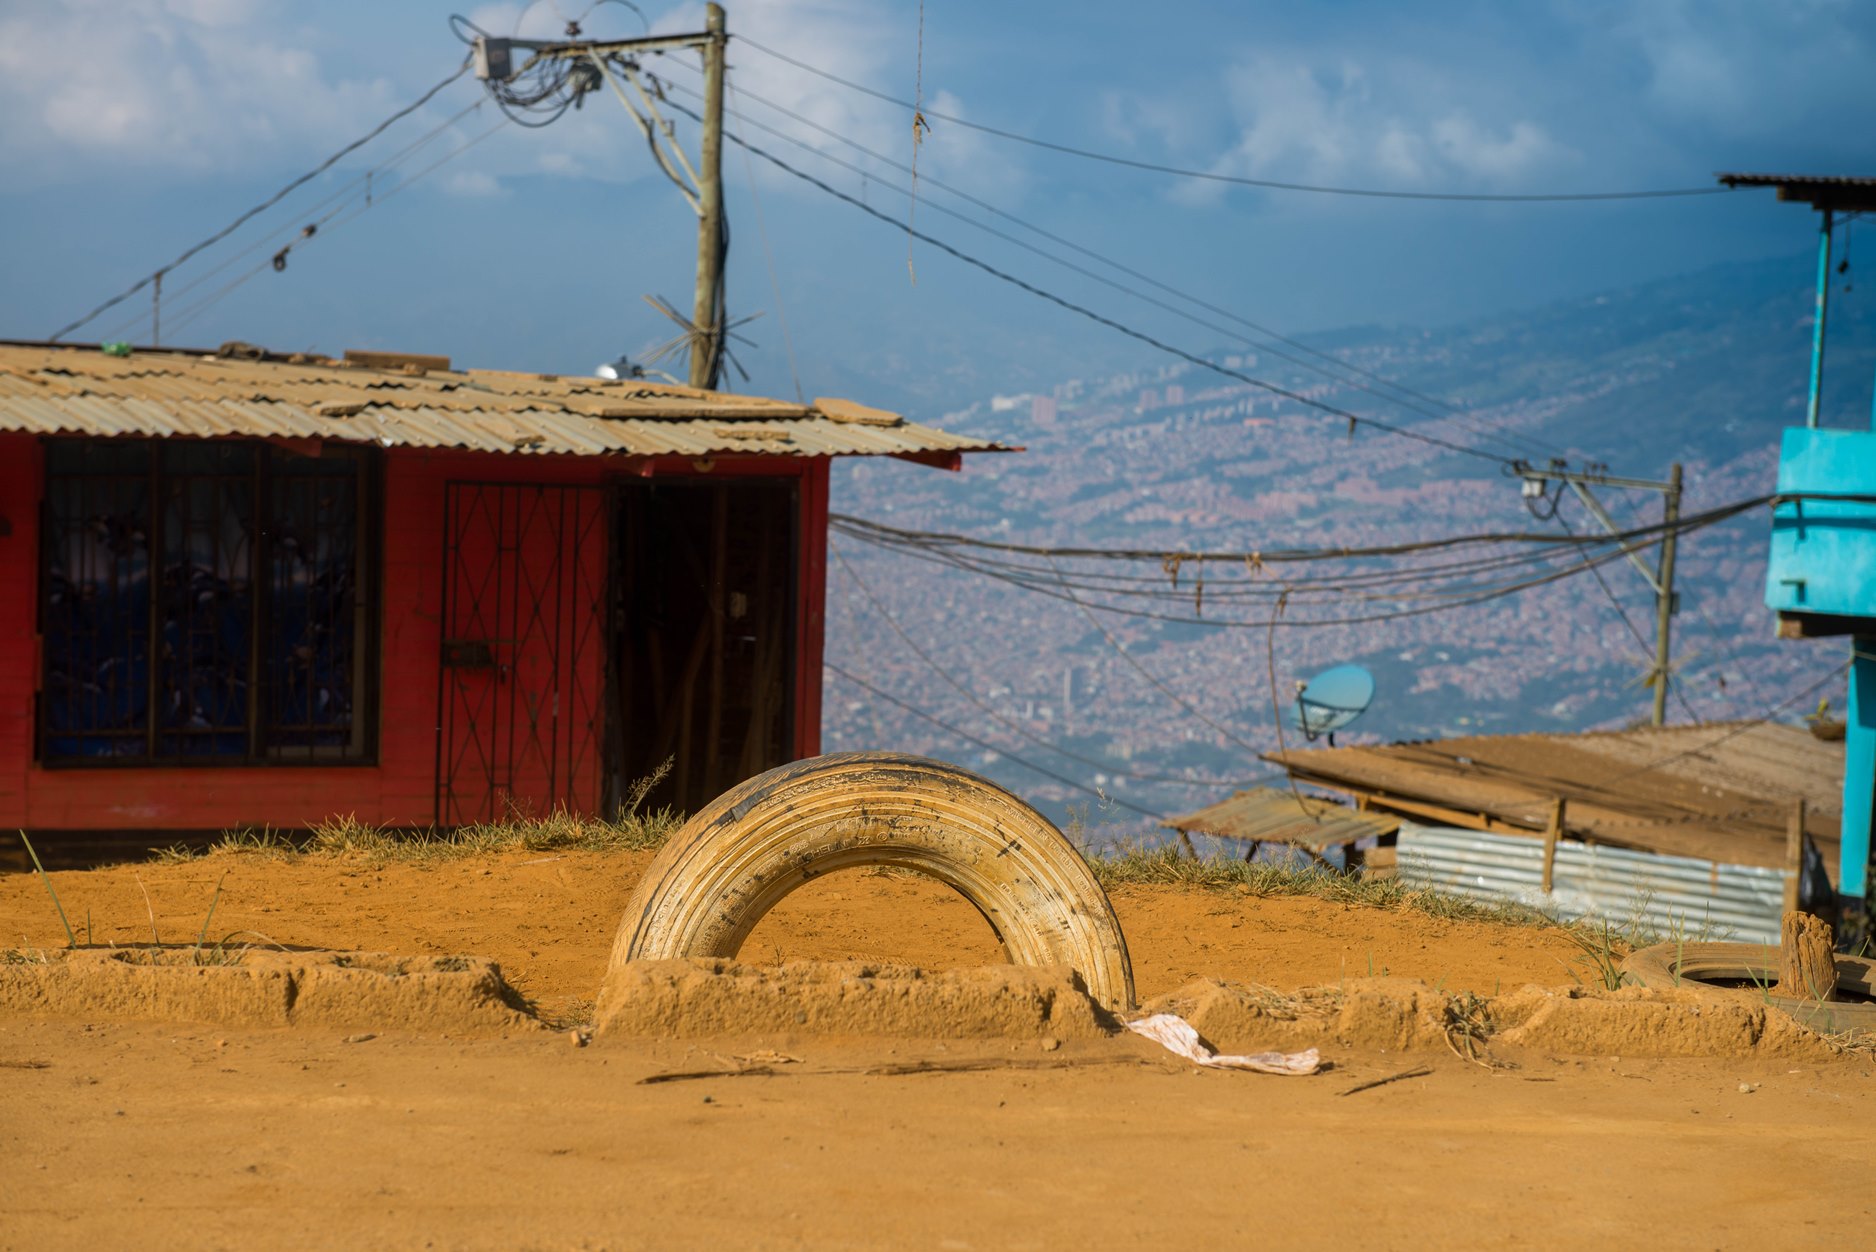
(175, 1136)
(166, 1137)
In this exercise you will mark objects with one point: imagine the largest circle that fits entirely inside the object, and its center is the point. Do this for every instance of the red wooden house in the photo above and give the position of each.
(241, 589)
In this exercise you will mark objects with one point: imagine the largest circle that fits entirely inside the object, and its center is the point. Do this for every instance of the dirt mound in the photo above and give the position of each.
(454, 994)
(705, 997)
(1656, 1022)
(1402, 1015)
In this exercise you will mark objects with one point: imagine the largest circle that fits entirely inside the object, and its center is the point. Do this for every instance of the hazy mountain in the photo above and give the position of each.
(1705, 369)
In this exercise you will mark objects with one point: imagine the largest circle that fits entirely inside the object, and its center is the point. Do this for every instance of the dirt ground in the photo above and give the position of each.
(548, 920)
(185, 1136)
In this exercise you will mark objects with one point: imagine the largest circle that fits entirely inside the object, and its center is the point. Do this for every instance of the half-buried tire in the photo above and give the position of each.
(1751, 968)
(746, 850)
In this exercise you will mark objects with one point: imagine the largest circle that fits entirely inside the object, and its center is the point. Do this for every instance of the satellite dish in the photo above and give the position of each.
(1331, 700)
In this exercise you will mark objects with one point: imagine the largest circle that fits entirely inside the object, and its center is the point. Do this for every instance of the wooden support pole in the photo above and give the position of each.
(706, 349)
(1807, 959)
(1552, 833)
(1794, 854)
(1664, 596)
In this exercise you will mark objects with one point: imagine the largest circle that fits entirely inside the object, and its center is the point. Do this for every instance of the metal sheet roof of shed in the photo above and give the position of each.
(1832, 191)
(1716, 792)
(82, 391)
(1271, 815)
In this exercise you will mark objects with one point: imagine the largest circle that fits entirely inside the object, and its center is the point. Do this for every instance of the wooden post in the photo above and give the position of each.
(1807, 959)
(1551, 834)
(1794, 854)
(706, 348)
(1664, 596)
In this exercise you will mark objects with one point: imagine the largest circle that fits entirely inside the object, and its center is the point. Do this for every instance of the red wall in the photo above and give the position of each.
(400, 788)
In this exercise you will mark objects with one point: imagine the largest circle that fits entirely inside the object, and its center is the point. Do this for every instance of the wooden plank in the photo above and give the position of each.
(1552, 833)
(395, 360)
(1794, 853)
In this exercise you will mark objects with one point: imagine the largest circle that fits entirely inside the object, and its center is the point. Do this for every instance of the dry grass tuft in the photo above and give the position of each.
(1168, 866)
(347, 838)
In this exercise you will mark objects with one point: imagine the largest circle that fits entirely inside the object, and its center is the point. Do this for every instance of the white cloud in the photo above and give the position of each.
(191, 87)
(1384, 122)
(176, 85)
(1709, 62)
(473, 183)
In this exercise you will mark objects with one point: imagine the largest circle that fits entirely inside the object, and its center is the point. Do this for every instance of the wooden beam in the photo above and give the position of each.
(953, 461)
(1417, 808)
(1794, 853)
(1552, 833)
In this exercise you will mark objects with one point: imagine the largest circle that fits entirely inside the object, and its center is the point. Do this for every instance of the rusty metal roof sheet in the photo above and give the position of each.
(1824, 191)
(1716, 792)
(82, 391)
(1273, 815)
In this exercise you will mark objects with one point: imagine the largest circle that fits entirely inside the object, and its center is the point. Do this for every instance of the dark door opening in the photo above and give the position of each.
(706, 590)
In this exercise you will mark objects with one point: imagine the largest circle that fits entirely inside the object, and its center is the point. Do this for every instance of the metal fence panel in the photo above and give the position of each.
(1670, 895)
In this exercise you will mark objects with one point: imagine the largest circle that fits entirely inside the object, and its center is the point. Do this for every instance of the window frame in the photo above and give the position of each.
(367, 611)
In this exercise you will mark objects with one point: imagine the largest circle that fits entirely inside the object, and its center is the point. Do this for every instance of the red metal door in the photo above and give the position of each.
(521, 701)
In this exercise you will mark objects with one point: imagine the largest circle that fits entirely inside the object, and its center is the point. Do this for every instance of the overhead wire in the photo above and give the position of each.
(332, 222)
(1457, 601)
(768, 253)
(1657, 193)
(266, 204)
(1152, 679)
(1666, 676)
(1383, 387)
(347, 191)
(1736, 731)
(886, 615)
(1352, 418)
(987, 746)
(1228, 556)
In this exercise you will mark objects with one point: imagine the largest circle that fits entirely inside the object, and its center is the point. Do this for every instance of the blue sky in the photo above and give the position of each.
(137, 127)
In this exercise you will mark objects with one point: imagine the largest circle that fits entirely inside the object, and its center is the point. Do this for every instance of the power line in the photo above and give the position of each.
(1664, 676)
(1141, 670)
(347, 192)
(1414, 402)
(950, 679)
(987, 746)
(1353, 419)
(307, 236)
(266, 204)
(862, 527)
(1265, 183)
(1743, 727)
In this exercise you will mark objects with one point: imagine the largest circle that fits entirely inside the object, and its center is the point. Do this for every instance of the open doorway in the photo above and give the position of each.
(705, 590)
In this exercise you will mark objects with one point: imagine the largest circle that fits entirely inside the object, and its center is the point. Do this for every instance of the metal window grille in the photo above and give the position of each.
(202, 603)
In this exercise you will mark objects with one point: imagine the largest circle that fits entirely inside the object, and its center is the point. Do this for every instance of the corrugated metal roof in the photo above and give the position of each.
(1824, 191)
(1271, 815)
(82, 391)
(1715, 792)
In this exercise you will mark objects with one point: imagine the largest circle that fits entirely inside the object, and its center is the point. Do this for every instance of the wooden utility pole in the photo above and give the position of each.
(1660, 578)
(706, 346)
(1664, 592)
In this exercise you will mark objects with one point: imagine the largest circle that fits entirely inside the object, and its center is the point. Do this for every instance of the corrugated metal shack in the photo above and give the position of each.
(1688, 828)
(256, 589)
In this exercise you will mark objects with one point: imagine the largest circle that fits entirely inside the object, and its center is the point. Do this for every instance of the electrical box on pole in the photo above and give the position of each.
(1660, 579)
(559, 74)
